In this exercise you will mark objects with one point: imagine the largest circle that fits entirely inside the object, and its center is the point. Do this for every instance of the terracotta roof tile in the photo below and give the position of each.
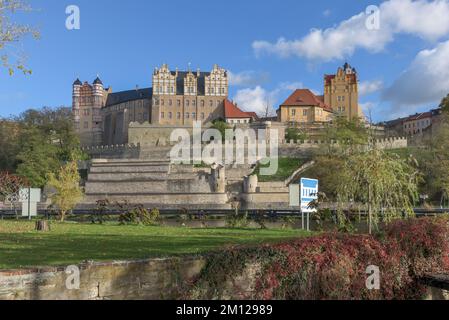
(305, 97)
(233, 112)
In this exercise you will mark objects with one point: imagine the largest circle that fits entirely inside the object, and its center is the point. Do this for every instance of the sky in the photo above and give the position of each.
(269, 47)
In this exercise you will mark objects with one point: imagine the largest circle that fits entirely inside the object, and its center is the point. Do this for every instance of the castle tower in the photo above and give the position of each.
(341, 92)
(76, 104)
(86, 107)
(97, 121)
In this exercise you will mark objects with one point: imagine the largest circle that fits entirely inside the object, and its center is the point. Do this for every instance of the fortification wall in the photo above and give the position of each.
(124, 151)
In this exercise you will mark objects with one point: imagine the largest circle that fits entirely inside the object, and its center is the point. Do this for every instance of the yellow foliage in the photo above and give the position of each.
(67, 186)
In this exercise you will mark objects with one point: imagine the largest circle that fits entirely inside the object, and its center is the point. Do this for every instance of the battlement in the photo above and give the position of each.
(122, 151)
(387, 143)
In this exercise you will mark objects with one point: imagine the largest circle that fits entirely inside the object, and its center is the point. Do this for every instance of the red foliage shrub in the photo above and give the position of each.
(425, 243)
(334, 266)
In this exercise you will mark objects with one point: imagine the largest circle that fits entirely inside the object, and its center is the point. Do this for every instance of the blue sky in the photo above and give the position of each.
(401, 66)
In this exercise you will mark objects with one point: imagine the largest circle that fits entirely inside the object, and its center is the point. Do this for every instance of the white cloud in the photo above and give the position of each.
(256, 99)
(248, 78)
(426, 81)
(368, 87)
(425, 19)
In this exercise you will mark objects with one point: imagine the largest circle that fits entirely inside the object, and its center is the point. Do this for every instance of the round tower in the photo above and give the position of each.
(76, 101)
(98, 90)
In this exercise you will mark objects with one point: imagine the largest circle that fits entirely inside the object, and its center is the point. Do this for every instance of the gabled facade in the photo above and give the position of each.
(304, 107)
(341, 92)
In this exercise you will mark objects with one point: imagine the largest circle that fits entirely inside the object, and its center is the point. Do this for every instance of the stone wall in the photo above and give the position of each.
(153, 279)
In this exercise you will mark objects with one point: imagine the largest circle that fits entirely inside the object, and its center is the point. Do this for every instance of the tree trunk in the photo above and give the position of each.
(43, 226)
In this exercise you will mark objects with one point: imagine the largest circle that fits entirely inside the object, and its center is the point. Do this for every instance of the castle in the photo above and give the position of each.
(178, 98)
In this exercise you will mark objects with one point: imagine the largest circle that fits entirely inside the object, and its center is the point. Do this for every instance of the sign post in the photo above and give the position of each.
(301, 195)
(309, 193)
(29, 199)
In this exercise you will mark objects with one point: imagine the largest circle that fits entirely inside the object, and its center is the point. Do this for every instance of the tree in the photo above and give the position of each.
(38, 157)
(445, 104)
(345, 136)
(9, 146)
(294, 134)
(438, 167)
(221, 126)
(46, 138)
(67, 186)
(10, 186)
(11, 33)
(385, 184)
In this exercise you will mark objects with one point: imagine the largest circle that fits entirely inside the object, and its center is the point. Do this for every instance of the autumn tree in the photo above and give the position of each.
(11, 34)
(385, 184)
(66, 183)
(438, 167)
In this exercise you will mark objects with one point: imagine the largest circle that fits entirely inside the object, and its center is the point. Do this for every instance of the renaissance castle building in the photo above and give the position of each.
(177, 98)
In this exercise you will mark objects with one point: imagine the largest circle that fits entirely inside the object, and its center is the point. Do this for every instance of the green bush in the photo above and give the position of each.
(140, 215)
(237, 221)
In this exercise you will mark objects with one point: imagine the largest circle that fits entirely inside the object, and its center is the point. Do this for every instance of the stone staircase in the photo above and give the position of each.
(153, 183)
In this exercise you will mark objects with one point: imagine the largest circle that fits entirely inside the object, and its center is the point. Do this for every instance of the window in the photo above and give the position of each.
(178, 103)
(304, 113)
(187, 115)
(194, 116)
(202, 116)
(202, 103)
(294, 112)
(211, 103)
(86, 125)
(170, 115)
(187, 103)
(194, 103)
(162, 102)
(162, 115)
(178, 115)
(170, 102)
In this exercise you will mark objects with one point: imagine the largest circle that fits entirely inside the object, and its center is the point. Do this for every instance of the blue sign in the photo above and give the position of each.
(309, 193)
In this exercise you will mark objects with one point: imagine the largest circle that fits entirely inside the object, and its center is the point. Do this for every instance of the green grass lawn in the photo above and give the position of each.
(287, 166)
(71, 243)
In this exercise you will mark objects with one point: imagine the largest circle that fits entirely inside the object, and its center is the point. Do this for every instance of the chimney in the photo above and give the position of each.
(198, 72)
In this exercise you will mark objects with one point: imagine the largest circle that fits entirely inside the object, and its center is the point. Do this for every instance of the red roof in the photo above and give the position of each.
(305, 97)
(231, 111)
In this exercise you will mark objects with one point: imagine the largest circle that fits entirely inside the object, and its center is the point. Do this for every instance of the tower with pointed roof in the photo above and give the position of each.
(87, 102)
(341, 92)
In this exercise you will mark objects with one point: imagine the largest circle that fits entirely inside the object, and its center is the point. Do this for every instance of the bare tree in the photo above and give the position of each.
(10, 186)
(11, 34)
